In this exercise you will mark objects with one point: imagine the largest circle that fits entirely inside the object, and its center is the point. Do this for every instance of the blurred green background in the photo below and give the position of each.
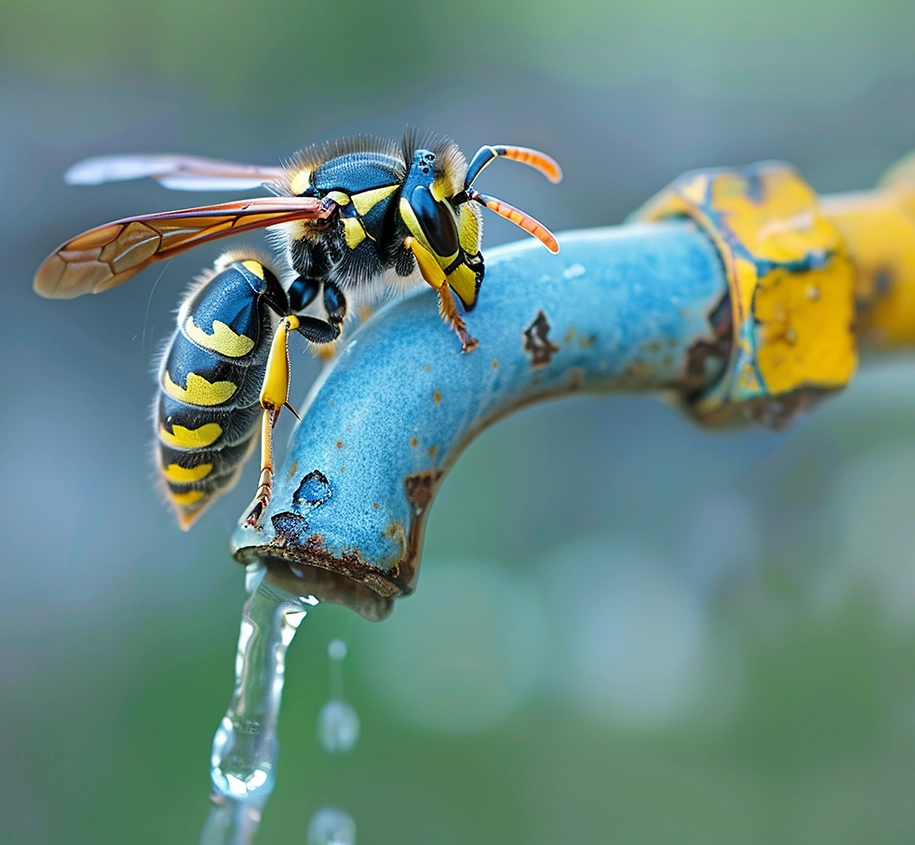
(626, 630)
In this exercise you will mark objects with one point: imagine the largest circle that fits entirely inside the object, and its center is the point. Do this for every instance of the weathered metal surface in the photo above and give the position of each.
(879, 231)
(618, 309)
(791, 283)
(748, 312)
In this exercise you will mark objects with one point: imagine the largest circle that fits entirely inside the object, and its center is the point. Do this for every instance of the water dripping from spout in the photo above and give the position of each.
(245, 747)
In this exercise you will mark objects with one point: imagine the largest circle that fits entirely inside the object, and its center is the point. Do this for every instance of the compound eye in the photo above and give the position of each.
(436, 220)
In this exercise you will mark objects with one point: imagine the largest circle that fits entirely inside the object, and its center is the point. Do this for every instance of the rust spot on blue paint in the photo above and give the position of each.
(420, 488)
(536, 342)
(290, 528)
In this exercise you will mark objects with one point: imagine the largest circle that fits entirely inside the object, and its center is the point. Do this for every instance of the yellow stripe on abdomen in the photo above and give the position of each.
(223, 340)
(190, 438)
(199, 391)
(189, 498)
(186, 475)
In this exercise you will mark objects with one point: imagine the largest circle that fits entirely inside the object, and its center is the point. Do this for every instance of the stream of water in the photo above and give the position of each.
(245, 748)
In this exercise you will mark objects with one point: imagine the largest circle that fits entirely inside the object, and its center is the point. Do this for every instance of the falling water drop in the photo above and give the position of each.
(338, 722)
(330, 826)
(338, 726)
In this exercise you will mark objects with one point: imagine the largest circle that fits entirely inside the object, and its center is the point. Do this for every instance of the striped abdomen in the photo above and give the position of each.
(209, 385)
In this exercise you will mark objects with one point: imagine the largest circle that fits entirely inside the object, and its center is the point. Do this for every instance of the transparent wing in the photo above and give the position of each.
(108, 255)
(178, 172)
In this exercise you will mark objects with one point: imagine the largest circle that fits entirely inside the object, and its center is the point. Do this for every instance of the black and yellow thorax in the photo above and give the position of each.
(384, 193)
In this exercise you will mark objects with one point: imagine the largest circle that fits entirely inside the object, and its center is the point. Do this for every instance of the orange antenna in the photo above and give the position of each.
(518, 217)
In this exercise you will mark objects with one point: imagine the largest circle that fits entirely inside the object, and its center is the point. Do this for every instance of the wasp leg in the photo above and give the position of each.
(335, 306)
(317, 331)
(435, 277)
(273, 398)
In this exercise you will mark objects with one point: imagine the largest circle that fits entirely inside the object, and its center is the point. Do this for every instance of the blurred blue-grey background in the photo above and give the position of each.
(729, 656)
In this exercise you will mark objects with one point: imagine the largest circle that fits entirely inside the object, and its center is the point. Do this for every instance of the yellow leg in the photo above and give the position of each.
(435, 277)
(265, 483)
(274, 397)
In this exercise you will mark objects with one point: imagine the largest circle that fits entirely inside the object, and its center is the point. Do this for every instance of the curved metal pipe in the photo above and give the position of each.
(619, 309)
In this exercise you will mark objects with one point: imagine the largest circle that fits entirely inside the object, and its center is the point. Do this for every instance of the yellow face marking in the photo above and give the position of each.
(300, 183)
(439, 188)
(409, 217)
(189, 498)
(198, 391)
(338, 197)
(190, 438)
(428, 266)
(223, 340)
(365, 201)
(353, 232)
(463, 282)
(468, 229)
(182, 475)
(255, 267)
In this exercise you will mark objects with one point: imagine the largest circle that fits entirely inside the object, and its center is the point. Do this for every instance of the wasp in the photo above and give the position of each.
(350, 220)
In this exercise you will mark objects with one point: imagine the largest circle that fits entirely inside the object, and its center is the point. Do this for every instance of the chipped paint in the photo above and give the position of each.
(420, 488)
(313, 491)
(537, 342)
(776, 244)
(763, 249)
(707, 357)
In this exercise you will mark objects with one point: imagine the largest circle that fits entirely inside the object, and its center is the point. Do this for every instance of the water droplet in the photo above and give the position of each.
(254, 574)
(336, 650)
(338, 727)
(330, 826)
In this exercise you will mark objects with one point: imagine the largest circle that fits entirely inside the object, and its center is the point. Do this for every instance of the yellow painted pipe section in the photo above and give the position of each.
(879, 232)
